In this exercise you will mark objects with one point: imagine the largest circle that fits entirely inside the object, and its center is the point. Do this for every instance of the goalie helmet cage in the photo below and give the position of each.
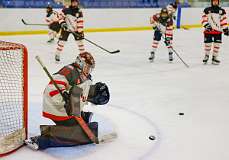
(13, 96)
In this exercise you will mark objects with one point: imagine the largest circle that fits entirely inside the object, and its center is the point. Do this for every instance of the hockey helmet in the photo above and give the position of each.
(49, 8)
(164, 14)
(85, 62)
(75, 1)
(213, 2)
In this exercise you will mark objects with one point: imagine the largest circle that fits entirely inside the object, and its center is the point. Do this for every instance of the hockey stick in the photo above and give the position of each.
(111, 52)
(34, 24)
(177, 55)
(80, 120)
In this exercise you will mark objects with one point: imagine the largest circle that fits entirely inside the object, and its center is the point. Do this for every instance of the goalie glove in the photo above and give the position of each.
(226, 32)
(208, 27)
(99, 94)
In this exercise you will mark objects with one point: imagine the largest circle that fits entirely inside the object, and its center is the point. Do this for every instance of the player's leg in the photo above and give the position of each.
(207, 47)
(168, 43)
(79, 40)
(61, 136)
(216, 47)
(51, 35)
(60, 44)
(156, 40)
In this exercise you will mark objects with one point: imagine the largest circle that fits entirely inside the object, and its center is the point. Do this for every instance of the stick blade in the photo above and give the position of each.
(113, 52)
(23, 22)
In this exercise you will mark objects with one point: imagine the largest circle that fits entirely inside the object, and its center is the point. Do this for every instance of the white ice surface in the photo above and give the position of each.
(145, 98)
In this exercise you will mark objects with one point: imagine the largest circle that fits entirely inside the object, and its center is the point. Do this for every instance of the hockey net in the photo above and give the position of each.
(13, 96)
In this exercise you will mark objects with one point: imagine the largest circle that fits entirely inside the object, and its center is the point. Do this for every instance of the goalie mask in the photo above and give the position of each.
(85, 62)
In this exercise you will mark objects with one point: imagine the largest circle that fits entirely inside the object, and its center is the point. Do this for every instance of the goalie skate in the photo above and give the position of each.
(32, 143)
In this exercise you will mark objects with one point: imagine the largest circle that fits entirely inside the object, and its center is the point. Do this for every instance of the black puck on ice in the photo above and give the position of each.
(181, 114)
(152, 137)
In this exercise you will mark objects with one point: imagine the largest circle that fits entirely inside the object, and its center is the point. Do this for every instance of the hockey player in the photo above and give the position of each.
(53, 23)
(214, 21)
(163, 25)
(71, 20)
(74, 80)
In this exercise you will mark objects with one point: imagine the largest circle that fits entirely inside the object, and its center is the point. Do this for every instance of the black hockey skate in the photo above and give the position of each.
(51, 40)
(32, 143)
(57, 58)
(87, 116)
(152, 56)
(205, 60)
(170, 56)
(215, 60)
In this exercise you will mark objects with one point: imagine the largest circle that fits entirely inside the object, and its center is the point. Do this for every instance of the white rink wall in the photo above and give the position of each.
(94, 18)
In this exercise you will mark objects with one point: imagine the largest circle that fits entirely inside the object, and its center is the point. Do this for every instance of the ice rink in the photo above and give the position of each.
(146, 98)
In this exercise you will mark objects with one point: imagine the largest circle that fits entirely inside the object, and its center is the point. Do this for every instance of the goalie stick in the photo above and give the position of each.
(32, 24)
(80, 120)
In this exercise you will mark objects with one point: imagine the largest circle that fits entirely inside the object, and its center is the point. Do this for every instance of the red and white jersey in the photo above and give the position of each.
(216, 17)
(165, 26)
(52, 17)
(53, 103)
(73, 16)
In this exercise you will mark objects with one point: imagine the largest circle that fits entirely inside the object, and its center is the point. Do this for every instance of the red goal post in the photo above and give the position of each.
(13, 96)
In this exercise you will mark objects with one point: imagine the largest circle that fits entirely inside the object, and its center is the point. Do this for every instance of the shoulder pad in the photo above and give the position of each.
(207, 10)
(222, 11)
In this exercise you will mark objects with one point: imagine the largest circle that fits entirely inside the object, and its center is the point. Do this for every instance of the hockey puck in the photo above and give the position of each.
(152, 137)
(181, 114)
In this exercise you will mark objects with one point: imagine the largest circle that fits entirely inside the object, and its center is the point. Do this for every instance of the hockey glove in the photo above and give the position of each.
(208, 27)
(80, 35)
(101, 94)
(226, 32)
(64, 25)
(156, 28)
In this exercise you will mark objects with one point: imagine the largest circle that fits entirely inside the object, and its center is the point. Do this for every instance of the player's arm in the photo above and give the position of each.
(205, 23)
(223, 22)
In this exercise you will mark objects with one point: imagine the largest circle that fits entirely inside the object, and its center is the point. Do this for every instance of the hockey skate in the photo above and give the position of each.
(170, 56)
(57, 58)
(32, 143)
(152, 56)
(205, 60)
(51, 40)
(215, 60)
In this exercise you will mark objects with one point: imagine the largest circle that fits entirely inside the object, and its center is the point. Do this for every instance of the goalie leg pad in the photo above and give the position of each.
(64, 136)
